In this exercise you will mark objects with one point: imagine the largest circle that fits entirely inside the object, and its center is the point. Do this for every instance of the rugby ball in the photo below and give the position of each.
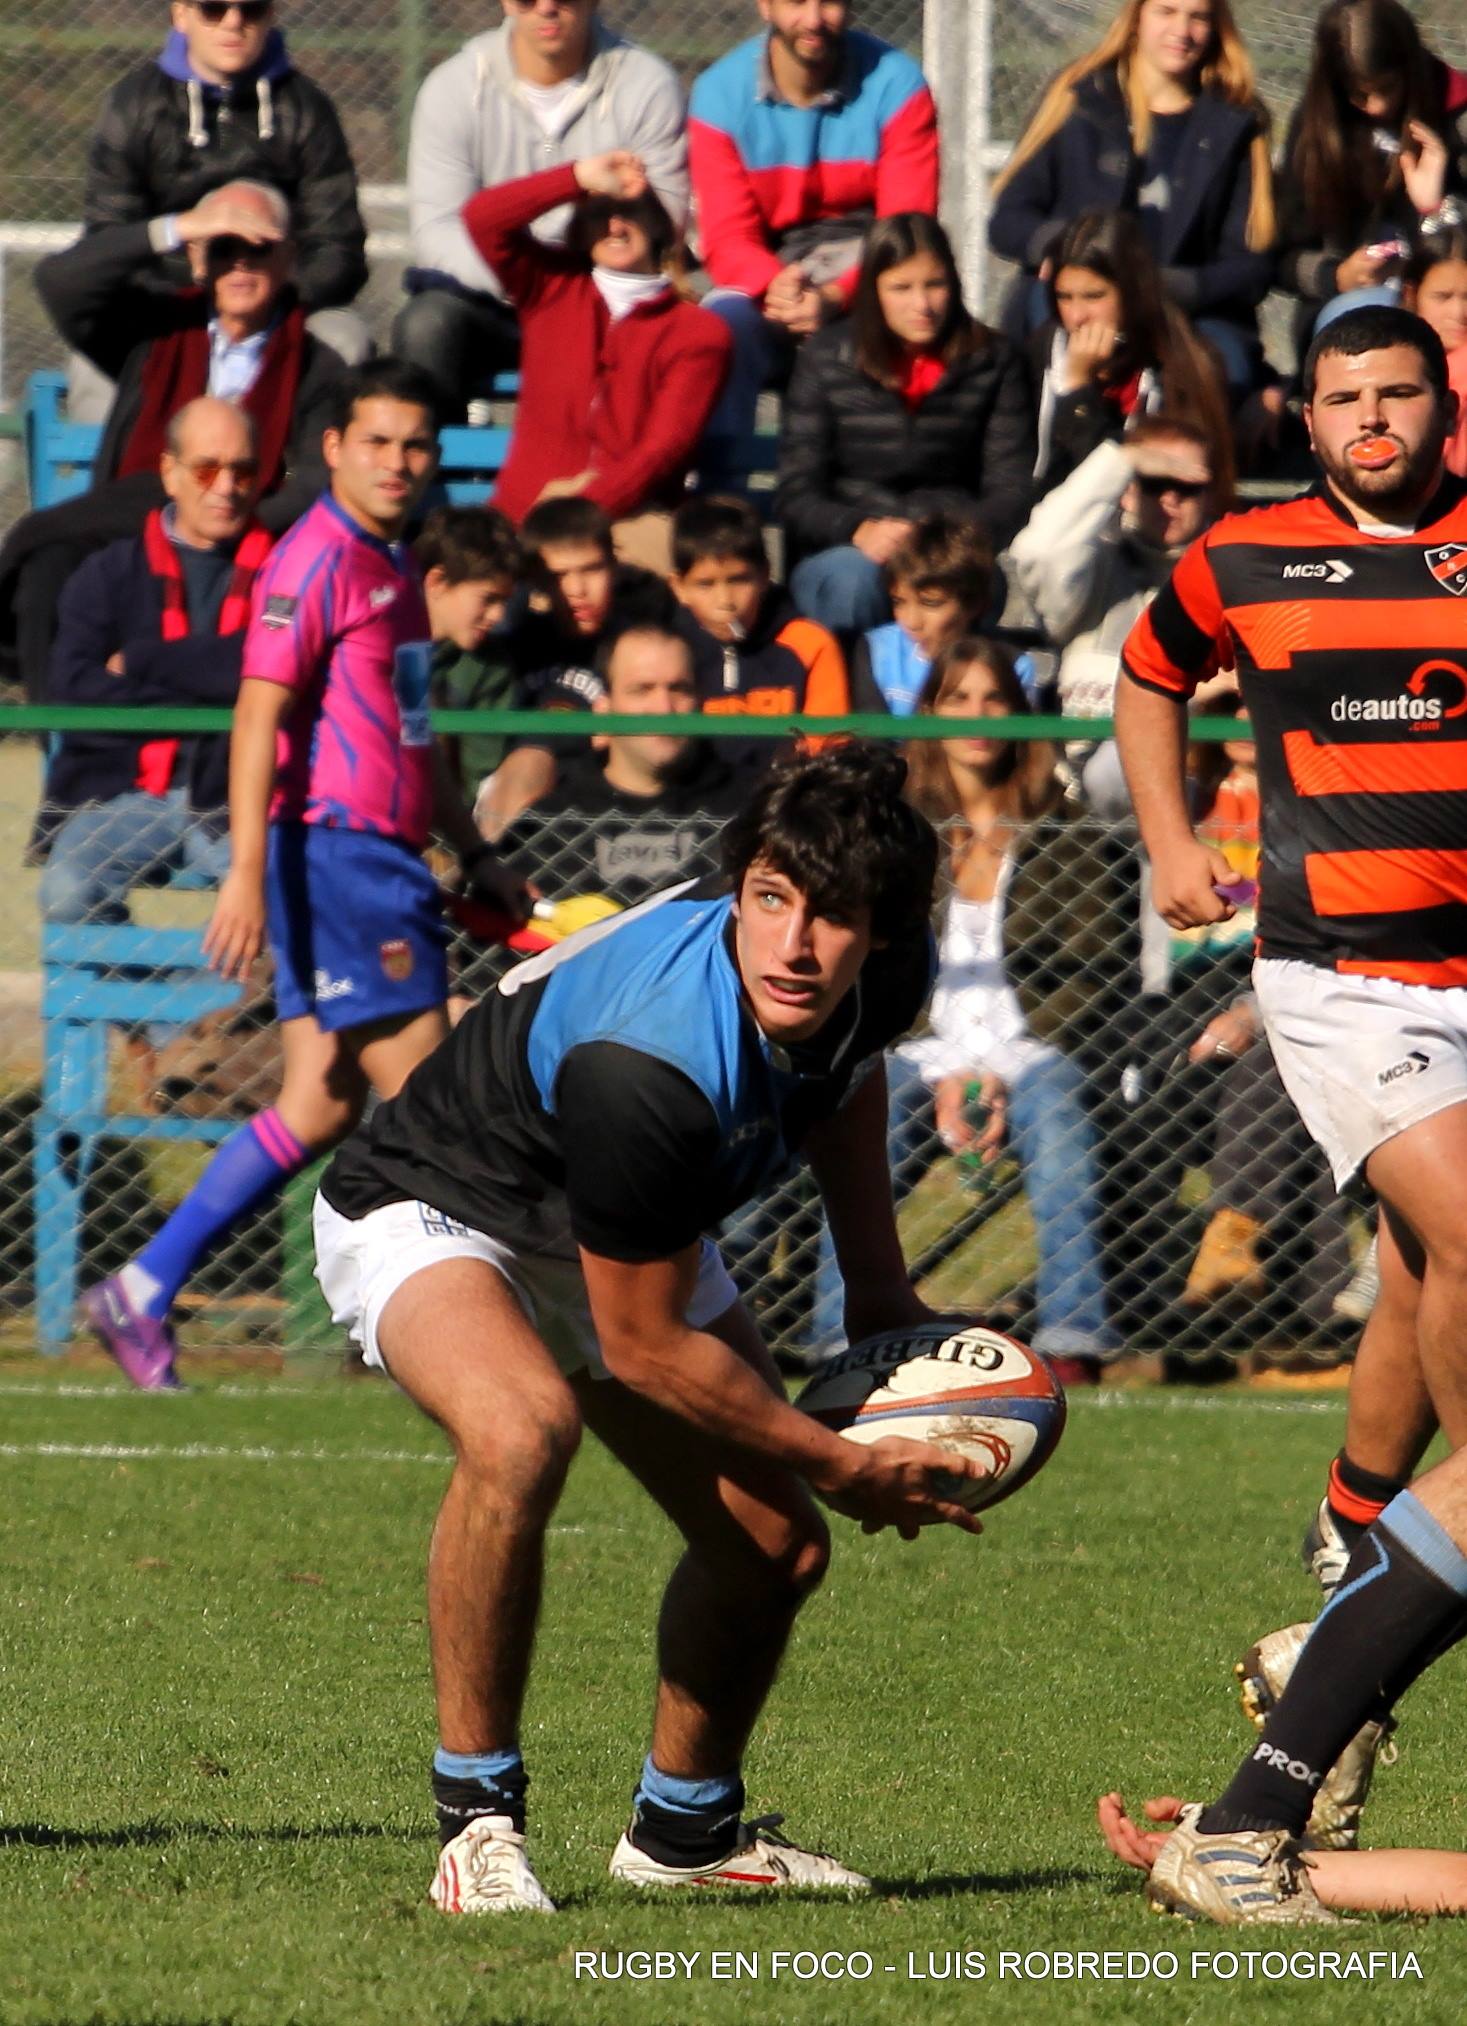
(960, 1386)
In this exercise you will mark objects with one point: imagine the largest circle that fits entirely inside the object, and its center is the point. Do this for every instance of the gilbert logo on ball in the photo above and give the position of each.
(958, 1386)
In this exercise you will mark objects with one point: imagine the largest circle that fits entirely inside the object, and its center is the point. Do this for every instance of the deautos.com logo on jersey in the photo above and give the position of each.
(1435, 691)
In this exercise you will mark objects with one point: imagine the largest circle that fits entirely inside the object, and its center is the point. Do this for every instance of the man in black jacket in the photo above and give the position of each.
(238, 334)
(221, 102)
(156, 619)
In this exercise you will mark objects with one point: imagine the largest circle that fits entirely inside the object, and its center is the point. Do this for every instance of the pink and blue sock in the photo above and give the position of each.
(250, 1166)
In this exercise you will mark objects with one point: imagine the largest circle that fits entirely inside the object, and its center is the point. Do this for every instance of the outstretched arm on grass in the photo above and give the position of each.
(1352, 1881)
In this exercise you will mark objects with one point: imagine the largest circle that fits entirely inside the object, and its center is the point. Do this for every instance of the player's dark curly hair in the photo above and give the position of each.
(837, 825)
(1375, 328)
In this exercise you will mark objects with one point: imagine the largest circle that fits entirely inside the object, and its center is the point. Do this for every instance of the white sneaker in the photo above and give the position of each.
(759, 1858)
(485, 1870)
(1334, 1820)
(1252, 1878)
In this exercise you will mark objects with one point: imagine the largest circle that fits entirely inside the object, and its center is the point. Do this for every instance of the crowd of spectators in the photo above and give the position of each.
(966, 518)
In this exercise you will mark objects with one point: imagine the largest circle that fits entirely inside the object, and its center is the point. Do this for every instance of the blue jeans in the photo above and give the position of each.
(841, 589)
(1054, 1140)
(763, 353)
(101, 853)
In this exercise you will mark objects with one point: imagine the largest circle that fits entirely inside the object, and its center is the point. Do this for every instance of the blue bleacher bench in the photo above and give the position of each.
(59, 453)
(92, 980)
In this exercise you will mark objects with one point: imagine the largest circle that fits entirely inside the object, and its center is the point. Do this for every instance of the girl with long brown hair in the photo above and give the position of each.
(1376, 149)
(997, 1023)
(1160, 121)
(1116, 350)
(907, 408)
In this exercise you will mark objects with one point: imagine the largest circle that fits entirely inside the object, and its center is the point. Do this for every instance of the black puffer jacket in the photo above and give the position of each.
(163, 142)
(851, 450)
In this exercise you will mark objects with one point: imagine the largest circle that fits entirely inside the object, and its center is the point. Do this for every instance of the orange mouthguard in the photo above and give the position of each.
(1373, 453)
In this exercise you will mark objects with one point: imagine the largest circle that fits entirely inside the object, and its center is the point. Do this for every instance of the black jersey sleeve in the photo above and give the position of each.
(641, 1146)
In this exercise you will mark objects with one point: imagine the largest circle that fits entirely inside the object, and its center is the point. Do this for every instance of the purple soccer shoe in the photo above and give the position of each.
(145, 1348)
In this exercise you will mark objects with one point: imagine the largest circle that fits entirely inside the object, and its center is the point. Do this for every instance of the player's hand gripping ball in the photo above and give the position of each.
(959, 1386)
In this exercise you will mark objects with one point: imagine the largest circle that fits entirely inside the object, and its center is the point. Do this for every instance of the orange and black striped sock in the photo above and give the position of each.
(1357, 1497)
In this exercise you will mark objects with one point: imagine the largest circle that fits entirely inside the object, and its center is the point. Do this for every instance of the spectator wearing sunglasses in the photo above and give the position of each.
(1095, 552)
(237, 332)
(156, 619)
(222, 102)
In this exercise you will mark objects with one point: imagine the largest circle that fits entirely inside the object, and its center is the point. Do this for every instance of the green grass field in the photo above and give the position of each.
(215, 1725)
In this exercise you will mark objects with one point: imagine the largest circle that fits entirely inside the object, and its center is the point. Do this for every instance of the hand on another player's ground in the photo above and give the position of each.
(906, 1485)
(1183, 883)
(236, 930)
(1135, 1846)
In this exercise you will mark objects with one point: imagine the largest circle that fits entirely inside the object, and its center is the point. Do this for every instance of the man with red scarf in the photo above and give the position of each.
(238, 333)
(157, 619)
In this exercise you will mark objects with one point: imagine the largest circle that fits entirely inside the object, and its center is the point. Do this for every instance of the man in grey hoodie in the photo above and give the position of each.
(551, 84)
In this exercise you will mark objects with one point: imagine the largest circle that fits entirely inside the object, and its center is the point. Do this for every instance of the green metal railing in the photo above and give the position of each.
(556, 724)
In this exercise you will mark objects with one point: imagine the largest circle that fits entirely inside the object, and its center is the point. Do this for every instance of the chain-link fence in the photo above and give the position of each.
(1144, 1194)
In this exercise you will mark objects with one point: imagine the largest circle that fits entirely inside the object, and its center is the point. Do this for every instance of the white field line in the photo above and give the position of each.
(1130, 1399)
(1159, 1400)
(204, 1452)
(75, 1389)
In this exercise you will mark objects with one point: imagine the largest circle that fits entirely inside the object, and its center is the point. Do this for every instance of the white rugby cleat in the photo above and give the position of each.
(485, 1870)
(1253, 1878)
(761, 1857)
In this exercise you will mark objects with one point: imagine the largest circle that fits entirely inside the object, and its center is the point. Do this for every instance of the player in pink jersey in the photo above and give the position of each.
(335, 783)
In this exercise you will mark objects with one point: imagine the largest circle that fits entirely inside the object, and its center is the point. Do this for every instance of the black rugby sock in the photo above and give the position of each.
(466, 1786)
(1401, 1602)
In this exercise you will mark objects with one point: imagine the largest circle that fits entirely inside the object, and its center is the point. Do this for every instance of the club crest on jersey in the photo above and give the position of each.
(397, 959)
(1448, 565)
(380, 595)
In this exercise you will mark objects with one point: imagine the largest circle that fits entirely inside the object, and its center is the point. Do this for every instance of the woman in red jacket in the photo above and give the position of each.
(618, 374)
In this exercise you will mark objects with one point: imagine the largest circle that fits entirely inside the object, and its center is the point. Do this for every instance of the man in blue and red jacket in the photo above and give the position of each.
(155, 619)
(798, 140)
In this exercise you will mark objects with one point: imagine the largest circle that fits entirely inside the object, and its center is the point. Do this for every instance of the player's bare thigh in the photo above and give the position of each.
(1421, 1173)
(390, 1050)
(323, 1090)
(734, 1509)
(457, 1339)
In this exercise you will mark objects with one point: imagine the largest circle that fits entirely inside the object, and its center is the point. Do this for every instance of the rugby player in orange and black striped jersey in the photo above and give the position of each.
(1345, 614)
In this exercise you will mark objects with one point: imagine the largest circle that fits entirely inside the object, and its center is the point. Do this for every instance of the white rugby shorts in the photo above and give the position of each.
(362, 1262)
(1362, 1058)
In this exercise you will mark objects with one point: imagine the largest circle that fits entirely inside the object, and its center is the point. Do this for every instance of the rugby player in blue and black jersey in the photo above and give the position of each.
(520, 1238)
